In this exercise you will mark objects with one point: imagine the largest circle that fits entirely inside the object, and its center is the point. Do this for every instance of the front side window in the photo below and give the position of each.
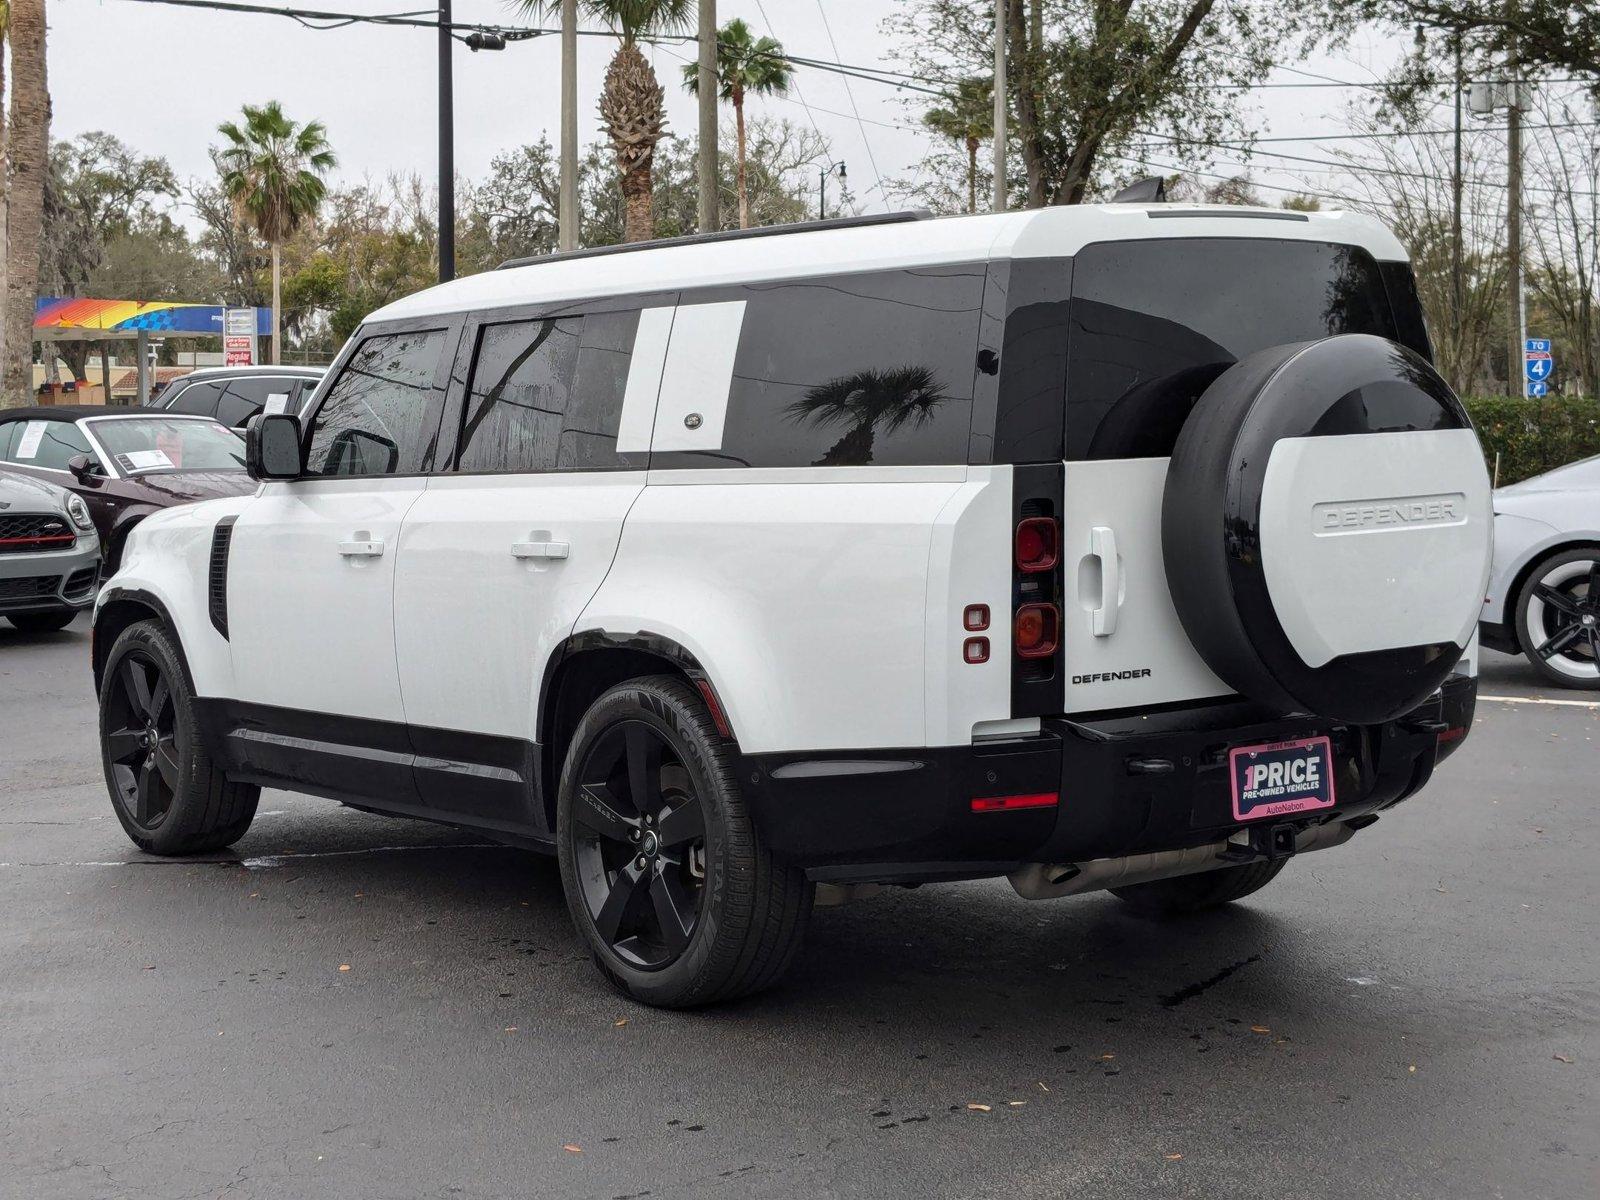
(48, 444)
(150, 445)
(1153, 323)
(381, 416)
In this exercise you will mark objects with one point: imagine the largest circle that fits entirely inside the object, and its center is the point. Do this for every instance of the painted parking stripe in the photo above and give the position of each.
(1538, 700)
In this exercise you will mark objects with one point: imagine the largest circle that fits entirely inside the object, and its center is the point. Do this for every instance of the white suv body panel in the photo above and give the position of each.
(805, 595)
(167, 558)
(480, 604)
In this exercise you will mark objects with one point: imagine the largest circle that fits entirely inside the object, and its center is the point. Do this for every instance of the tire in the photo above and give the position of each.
(42, 622)
(169, 796)
(1558, 618)
(1326, 528)
(746, 911)
(1196, 893)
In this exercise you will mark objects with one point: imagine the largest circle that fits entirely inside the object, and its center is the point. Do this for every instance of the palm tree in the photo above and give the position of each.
(28, 148)
(969, 118)
(272, 173)
(632, 108)
(863, 403)
(746, 65)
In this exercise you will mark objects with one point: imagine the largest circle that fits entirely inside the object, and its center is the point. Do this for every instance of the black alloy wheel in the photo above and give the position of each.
(666, 874)
(168, 794)
(640, 845)
(141, 740)
(1558, 619)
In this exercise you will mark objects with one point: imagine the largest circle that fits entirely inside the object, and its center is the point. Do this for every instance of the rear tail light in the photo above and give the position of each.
(1038, 544)
(984, 804)
(1038, 630)
(975, 650)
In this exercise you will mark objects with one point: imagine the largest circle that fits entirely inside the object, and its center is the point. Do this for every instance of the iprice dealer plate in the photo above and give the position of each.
(1281, 778)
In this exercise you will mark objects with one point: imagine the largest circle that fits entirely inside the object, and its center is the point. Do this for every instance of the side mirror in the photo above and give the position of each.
(84, 470)
(272, 447)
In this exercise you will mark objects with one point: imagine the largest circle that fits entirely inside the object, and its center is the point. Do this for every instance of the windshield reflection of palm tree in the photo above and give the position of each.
(865, 402)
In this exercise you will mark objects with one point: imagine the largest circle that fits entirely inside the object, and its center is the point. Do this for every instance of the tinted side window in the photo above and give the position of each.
(246, 397)
(1153, 323)
(594, 408)
(853, 369)
(381, 416)
(517, 399)
(197, 398)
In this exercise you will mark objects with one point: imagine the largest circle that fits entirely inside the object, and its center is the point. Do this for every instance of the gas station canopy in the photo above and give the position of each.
(69, 319)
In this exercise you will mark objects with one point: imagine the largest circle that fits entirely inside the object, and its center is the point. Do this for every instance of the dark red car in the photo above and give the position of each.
(125, 463)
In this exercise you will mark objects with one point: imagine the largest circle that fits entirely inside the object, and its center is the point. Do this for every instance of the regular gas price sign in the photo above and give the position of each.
(1538, 364)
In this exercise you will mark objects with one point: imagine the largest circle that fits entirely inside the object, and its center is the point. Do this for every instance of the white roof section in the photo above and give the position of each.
(1034, 233)
(255, 369)
(145, 414)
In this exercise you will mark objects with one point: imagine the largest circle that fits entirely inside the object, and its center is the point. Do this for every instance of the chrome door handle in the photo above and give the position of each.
(372, 548)
(540, 549)
(1103, 617)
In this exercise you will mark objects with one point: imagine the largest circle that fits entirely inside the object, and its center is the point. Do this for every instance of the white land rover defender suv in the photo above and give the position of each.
(1127, 546)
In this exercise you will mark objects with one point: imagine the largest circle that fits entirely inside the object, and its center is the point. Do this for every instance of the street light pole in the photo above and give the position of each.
(447, 149)
(999, 105)
(1455, 223)
(707, 216)
(568, 224)
(822, 188)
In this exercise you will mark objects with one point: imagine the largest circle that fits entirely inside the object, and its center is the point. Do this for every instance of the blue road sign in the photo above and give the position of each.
(1538, 364)
(1532, 344)
(1538, 388)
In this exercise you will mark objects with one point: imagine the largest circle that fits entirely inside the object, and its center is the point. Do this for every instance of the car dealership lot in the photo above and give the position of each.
(1416, 1014)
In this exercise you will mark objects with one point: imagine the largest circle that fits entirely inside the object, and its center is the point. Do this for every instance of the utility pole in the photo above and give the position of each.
(1515, 387)
(568, 232)
(1455, 223)
(1000, 105)
(708, 214)
(447, 150)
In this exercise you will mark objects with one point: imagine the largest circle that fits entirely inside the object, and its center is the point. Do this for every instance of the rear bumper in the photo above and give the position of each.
(50, 580)
(907, 815)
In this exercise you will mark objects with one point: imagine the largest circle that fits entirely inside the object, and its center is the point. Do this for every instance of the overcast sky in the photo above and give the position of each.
(162, 78)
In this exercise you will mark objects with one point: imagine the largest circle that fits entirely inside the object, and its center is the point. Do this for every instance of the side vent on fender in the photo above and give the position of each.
(217, 584)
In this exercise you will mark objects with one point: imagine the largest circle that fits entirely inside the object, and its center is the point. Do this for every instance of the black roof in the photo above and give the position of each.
(76, 412)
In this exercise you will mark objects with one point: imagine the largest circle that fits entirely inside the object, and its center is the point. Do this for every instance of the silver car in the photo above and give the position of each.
(1544, 589)
(49, 554)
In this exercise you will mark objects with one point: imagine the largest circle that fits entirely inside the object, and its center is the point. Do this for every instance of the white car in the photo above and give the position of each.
(1126, 546)
(1543, 599)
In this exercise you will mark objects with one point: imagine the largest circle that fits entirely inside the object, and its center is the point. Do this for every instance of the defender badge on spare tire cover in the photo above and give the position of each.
(1326, 528)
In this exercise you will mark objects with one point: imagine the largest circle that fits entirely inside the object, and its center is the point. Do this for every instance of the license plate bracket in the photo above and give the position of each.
(1277, 779)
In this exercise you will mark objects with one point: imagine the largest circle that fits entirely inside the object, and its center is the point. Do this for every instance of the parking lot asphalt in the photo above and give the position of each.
(353, 1006)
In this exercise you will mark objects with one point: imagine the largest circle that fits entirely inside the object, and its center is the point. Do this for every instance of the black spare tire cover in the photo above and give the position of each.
(1326, 528)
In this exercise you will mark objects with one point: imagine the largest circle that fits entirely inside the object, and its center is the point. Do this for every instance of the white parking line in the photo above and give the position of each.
(1538, 700)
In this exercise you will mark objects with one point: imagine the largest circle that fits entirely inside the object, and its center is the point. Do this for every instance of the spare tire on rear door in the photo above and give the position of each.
(1326, 528)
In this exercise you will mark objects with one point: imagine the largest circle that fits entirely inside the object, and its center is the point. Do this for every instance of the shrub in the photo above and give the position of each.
(1534, 436)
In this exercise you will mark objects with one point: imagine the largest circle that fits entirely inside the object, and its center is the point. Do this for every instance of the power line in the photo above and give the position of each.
(865, 141)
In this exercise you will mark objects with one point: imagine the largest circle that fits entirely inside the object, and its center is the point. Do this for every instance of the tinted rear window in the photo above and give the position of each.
(1153, 323)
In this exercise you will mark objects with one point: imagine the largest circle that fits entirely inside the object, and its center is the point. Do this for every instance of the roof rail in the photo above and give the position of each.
(728, 235)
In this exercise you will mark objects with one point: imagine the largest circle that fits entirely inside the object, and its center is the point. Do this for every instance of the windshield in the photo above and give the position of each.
(145, 445)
